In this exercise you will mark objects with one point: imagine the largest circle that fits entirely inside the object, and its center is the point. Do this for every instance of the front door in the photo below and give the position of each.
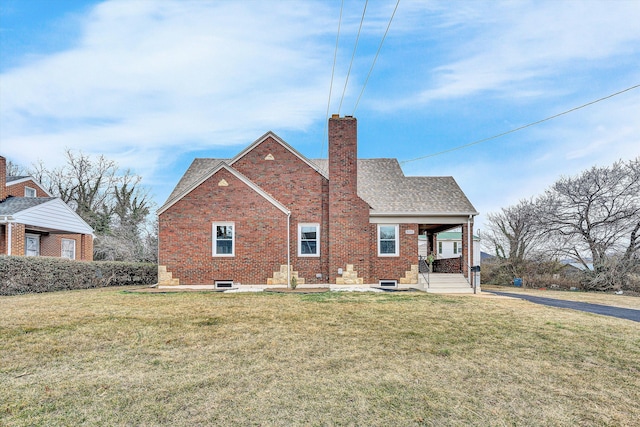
(32, 245)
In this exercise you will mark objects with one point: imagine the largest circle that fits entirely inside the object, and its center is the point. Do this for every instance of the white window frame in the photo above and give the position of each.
(30, 192)
(62, 242)
(388, 283)
(397, 240)
(317, 227)
(455, 248)
(439, 248)
(214, 239)
(26, 244)
(224, 284)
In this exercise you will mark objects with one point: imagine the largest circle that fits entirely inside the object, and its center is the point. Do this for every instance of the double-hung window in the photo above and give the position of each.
(68, 249)
(308, 239)
(388, 240)
(224, 237)
(455, 247)
(29, 192)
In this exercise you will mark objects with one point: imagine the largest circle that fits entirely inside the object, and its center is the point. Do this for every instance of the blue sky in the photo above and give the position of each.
(153, 84)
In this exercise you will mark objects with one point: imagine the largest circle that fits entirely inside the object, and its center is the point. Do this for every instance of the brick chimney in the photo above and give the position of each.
(348, 213)
(3, 178)
(343, 156)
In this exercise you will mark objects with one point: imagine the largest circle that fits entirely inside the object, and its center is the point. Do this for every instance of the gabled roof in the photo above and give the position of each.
(13, 180)
(10, 179)
(201, 174)
(45, 212)
(280, 141)
(13, 205)
(381, 183)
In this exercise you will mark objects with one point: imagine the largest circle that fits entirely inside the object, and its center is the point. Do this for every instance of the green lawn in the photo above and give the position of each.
(108, 357)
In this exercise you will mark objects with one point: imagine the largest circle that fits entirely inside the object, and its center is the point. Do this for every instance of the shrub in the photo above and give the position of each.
(21, 275)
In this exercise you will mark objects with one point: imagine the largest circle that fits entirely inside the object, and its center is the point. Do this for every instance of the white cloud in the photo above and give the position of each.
(518, 49)
(164, 74)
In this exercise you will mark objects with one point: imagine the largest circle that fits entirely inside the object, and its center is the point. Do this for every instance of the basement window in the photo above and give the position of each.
(224, 239)
(388, 283)
(224, 284)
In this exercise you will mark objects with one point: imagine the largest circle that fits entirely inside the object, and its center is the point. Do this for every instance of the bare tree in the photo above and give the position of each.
(111, 201)
(597, 215)
(14, 169)
(513, 235)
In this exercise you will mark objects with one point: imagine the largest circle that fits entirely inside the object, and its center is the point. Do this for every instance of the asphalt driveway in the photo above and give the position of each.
(605, 310)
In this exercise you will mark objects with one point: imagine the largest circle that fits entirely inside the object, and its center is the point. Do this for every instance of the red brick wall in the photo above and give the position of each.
(3, 239)
(86, 246)
(393, 268)
(303, 190)
(448, 265)
(3, 178)
(467, 248)
(51, 245)
(17, 239)
(17, 190)
(185, 234)
(349, 228)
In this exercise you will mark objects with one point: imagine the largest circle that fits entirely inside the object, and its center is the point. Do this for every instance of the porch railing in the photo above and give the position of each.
(424, 267)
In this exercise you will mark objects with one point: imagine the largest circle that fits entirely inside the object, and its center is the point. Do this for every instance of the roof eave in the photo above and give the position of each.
(465, 214)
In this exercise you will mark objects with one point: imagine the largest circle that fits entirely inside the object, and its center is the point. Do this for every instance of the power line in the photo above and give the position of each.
(353, 55)
(375, 58)
(333, 69)
(521, 127)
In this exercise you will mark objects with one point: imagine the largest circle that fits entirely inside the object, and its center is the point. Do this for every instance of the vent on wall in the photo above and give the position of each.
(388, 283)
(224, 284)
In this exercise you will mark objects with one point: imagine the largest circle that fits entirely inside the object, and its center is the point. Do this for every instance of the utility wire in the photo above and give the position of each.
(353, 55)
(375, 58)
(333, 69)
(521, 127)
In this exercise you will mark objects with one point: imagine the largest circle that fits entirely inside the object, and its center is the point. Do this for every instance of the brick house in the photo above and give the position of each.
(33, 223)
(269, 215)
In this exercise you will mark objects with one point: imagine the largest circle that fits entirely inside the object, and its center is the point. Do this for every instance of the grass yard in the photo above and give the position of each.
(108, 357)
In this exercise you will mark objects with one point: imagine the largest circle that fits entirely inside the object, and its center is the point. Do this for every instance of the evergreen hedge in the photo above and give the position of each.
(22, 275)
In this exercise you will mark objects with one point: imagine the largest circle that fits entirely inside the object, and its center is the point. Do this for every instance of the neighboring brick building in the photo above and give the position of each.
(270, 214)
(33, 223)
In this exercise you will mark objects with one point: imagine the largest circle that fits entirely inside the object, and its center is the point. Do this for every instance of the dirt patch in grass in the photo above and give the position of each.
(107, 357)
(297, 290)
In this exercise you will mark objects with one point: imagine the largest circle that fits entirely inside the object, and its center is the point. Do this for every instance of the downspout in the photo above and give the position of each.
(10, 238)
(288, 249)
(469, 253)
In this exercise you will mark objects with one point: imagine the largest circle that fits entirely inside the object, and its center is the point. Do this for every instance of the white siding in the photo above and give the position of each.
(54, 214)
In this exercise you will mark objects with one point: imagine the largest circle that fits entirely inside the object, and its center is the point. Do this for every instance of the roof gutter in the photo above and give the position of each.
(461, 214)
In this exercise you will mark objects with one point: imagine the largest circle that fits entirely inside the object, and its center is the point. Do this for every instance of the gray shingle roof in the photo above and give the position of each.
(13, 205)
(15, 178)
(197, 170)
(381, 183)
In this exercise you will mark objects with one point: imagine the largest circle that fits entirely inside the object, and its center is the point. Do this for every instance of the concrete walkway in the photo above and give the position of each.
(605, 310)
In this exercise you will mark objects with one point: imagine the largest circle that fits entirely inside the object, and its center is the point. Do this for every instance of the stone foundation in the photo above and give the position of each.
(411, 276)
(349, 277)
(165, 278)
(280, 277)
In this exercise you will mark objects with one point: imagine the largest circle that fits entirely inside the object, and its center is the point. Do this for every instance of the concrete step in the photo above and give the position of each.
(446, 283)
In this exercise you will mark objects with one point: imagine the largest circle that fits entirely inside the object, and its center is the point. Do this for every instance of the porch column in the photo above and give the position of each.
(467, 248)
